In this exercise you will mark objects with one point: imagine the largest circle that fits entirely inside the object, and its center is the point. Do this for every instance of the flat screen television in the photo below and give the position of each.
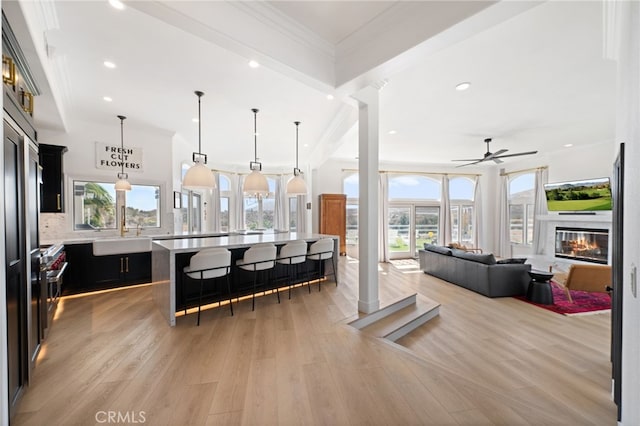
(579, 195)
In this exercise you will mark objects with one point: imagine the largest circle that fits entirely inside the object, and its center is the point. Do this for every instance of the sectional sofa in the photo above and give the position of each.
(478, 272)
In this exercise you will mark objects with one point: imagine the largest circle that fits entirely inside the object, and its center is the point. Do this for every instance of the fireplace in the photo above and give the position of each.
(589, 245)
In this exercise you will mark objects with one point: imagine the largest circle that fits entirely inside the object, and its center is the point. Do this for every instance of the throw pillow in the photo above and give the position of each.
(437, 249)
(487, 259)
(512, 260)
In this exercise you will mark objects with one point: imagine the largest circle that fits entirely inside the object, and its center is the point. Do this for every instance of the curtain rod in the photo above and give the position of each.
(523, 170)
(418, 173)
(245, 173)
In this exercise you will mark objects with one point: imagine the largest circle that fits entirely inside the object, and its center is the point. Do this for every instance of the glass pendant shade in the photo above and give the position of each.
(256, 184)
(296, 186)
(199, 176)
(122, 183)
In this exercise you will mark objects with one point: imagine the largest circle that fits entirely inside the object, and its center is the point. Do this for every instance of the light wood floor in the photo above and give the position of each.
(482, 361)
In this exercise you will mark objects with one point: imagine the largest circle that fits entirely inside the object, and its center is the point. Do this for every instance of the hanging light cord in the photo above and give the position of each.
(122, 118)
(255, 165)
(296, 171)
(199, 94)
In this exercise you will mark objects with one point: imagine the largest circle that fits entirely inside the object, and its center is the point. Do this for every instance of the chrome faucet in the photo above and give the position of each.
(138, 230)
(123, 222)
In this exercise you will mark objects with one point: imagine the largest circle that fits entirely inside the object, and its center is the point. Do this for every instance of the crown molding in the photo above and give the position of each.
(290, 28)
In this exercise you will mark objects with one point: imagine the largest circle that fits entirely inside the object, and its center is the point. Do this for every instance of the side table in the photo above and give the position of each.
(539, 290)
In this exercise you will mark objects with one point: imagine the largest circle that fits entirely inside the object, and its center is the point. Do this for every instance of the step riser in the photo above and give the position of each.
(412, 325)
(383, 313)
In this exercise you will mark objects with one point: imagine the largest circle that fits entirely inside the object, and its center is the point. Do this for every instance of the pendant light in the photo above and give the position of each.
(199, 176)
(296, 185)
(122, 184)
(255, 185)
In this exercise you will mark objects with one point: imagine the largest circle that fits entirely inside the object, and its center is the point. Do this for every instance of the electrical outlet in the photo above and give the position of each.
(634, 282)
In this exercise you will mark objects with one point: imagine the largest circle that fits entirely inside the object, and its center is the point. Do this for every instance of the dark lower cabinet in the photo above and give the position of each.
(123, 269)
(87, 272)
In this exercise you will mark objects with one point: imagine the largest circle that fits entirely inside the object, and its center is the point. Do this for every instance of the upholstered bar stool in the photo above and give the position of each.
(260, 257)
(320, 251)
(292, 254)
(209, 264)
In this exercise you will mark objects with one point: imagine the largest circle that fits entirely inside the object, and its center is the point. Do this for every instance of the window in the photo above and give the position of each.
(461, 191)
(95, 206)
(259, 213)
(414, 214)
(351, 187)
(293, 214)
(225, 197)
(521, 201)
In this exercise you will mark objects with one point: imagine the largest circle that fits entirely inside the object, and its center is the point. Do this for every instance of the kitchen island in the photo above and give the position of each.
(170, 256)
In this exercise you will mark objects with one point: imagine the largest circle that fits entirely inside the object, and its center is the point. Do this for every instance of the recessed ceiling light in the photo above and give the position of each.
(306, 145)
(254, 64)
(463, 86)
(392, 132)
(109, 64)
(195, 120)
(568, 145)
(117, 4)
(107, 99)
(330, 97)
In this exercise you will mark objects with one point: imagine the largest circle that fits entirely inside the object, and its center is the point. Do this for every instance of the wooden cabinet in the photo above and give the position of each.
(87, 272)
(121, 269)
(52, 189)
(333, 217)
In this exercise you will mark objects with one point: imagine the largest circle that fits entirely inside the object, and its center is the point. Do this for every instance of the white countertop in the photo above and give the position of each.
(234, 241)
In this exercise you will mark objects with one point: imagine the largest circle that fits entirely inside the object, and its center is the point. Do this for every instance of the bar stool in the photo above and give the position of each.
(320, 251)
(293, 254)
(209, 264)
(260, 257)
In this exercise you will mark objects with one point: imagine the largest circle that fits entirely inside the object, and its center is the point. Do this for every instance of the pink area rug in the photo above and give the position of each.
(583, 302)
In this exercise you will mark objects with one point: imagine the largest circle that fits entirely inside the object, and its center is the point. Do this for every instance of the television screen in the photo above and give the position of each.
(580, 195)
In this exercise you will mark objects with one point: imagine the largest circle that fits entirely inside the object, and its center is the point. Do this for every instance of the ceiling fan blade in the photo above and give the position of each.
(469, 164)
(518, 154)
(497, 160)
(471, 159)
(499, 152)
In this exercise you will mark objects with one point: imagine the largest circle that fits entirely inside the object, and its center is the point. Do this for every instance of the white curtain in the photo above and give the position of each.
(280, 198)
(477, 213)
(445, 217)
(301, 211)
(539, 209)
(504, 239)
(383, 212)
(238, 202)
(214, 208)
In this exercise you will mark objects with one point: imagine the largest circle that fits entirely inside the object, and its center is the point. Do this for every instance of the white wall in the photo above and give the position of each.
(628, 131)
(80, 163)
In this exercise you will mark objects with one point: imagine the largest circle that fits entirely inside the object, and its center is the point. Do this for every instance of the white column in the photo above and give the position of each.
(368, 300)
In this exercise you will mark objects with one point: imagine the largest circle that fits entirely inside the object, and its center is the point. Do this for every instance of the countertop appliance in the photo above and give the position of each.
(53, 264)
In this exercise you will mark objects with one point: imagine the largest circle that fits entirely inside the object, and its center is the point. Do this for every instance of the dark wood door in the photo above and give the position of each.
(52, 194)
(617, 257)
(333, 217)
(107, 271)
(137, 268)
(17, 335)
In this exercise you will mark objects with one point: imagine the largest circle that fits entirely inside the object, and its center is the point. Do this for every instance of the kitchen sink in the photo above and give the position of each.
(122, 245)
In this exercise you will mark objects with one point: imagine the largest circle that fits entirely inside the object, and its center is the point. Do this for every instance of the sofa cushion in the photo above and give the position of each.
(512, 260)
(487, 259)
(437, 249)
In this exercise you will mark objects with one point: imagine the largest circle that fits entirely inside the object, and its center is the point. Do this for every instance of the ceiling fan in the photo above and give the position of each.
(495, 156)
